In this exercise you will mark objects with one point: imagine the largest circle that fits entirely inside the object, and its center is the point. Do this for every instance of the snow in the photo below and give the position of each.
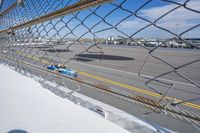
(26, 106)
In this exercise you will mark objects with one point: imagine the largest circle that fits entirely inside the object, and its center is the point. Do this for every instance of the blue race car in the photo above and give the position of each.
(68, 71)
(63, 69)
(53, 67)
(56, 67)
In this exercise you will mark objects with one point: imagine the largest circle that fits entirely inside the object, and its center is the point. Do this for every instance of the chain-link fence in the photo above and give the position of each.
(141, 51)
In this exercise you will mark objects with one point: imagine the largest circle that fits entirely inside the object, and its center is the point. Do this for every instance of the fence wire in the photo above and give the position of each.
(75, 33)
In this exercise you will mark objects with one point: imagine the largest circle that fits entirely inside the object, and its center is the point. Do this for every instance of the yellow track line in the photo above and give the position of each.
(119, 84)
(135, 89)
(196, 106)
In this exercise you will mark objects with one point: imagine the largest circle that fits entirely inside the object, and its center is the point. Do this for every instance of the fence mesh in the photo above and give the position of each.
(155, 41)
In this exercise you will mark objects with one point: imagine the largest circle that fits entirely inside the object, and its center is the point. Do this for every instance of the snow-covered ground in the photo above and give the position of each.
(26, 106)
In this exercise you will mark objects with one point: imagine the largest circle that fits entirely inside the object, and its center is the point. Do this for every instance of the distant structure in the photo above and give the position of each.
(110, 40)
(148, 42)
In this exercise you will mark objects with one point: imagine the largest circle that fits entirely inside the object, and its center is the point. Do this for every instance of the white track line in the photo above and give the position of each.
(131, 73)
(168, 80)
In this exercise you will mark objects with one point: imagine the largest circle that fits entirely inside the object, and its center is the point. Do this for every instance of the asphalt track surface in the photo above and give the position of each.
(118, 68)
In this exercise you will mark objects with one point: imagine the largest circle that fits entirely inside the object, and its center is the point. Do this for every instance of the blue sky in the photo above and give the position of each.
(177, 21)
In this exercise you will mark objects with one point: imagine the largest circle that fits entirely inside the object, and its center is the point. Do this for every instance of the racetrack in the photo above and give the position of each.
(119, 67)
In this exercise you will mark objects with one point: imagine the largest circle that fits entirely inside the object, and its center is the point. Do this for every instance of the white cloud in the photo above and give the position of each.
(178, 20)
(133, 24)
(179, 14)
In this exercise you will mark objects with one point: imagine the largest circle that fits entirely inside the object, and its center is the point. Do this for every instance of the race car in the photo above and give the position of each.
(61, 68)
(52, 67)
(67, 71)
